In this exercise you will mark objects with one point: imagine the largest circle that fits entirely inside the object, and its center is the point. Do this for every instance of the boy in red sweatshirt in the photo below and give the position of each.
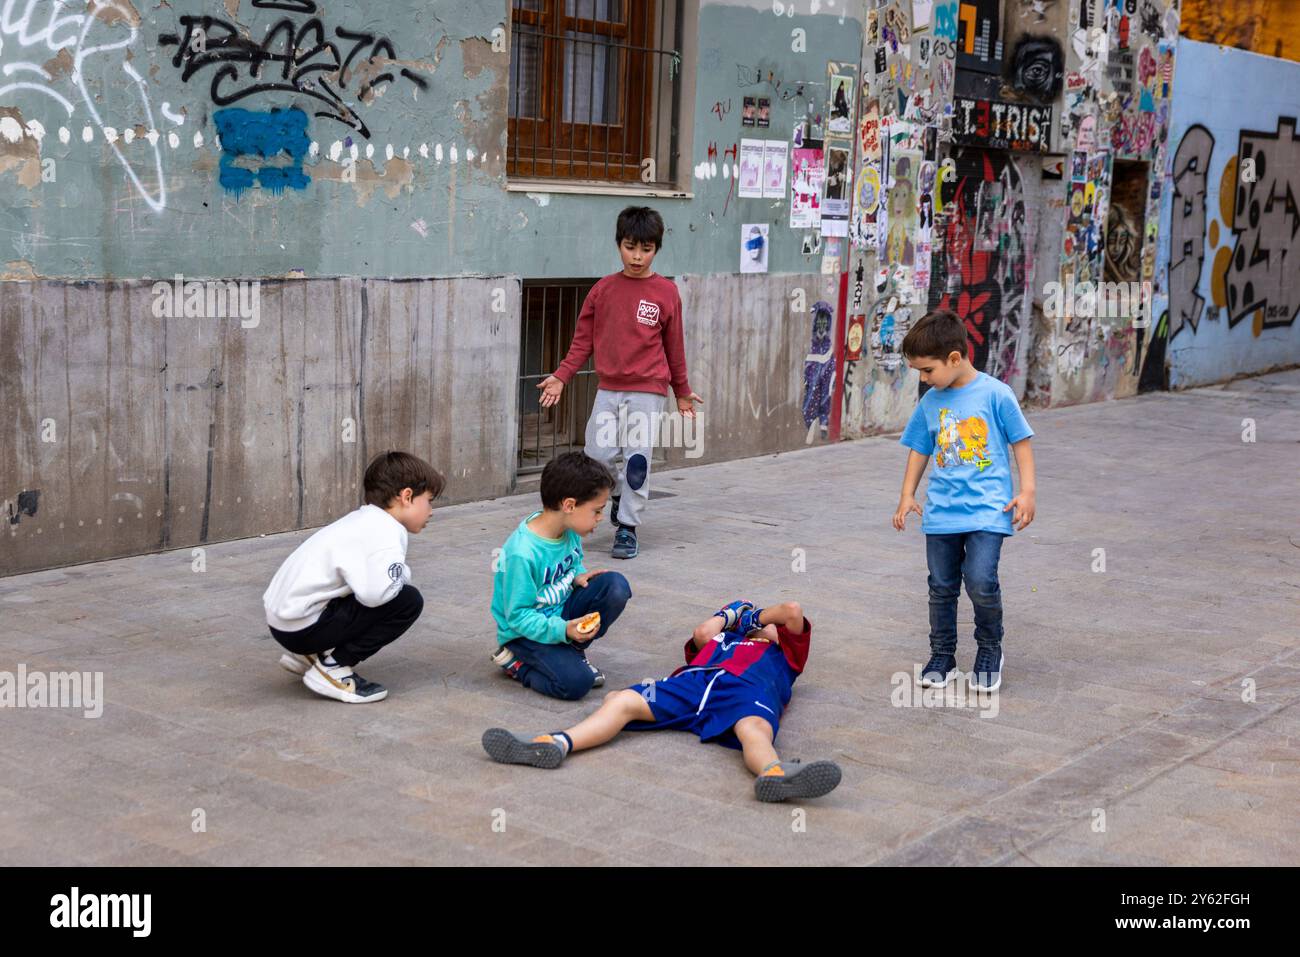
(632, 321)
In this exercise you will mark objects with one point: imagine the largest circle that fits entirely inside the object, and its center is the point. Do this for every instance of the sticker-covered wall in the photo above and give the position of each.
(1231, 262)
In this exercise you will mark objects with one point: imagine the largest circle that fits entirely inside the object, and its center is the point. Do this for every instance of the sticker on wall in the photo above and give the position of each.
(866, 200)
(764, 112)
(807, 174)
(855, 337)
(751, 169)
(841, 119)
(922, 10)
(836, 198)
(774, 165)
(753, 247)
(749, 111)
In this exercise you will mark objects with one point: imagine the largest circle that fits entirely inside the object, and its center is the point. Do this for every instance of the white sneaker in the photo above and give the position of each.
(298, 664)
(341, 683)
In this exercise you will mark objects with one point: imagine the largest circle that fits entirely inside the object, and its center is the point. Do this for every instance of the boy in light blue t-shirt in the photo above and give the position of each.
(541, 590)
(967, 421)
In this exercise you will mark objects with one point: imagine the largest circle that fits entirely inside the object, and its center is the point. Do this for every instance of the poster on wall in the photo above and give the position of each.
(979, 46)
(842, 80)
(751, 169)
(1001, 125)
(866, 200)
(807, 174)
(836, 198)
(753, 247)
(774, 164)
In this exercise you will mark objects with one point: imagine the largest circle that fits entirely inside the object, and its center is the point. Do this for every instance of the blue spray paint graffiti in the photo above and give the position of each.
(278, 138)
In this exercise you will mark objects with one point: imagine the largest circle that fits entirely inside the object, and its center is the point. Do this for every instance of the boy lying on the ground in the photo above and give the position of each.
(739, 673)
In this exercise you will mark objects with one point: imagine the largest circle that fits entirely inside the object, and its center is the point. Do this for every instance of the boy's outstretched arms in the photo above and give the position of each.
(1024, 503)
(788, 615)
(916, 463)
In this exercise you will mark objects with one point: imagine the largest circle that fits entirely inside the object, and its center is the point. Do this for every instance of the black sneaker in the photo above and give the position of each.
(624, 542)
(613, 511)
(799, 781)
(987, 673)
(938, 671)
(506, 748)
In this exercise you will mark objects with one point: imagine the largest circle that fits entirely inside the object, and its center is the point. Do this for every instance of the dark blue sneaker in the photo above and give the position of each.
(938, 671)
(987, 673)
(624, 542)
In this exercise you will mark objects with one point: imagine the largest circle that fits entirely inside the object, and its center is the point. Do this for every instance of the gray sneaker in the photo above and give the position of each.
(799, 781)
(598, 676)
(624, 542)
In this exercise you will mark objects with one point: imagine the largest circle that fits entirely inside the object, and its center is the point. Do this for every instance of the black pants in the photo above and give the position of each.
(354, 631)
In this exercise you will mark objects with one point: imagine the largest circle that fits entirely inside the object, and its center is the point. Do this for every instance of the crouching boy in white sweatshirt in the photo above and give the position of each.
(346, 591)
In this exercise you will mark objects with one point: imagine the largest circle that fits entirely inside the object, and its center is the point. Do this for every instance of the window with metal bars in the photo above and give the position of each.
(594, 90)
(550, 316)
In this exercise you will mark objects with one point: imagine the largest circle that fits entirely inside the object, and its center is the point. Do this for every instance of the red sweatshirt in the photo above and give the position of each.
(635, 328)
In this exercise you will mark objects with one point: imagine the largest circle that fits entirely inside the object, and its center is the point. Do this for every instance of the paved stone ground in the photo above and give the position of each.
(1123, 690)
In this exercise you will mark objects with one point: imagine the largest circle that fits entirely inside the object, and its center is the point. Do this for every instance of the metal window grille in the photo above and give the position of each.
(594, 91)
(550, 316)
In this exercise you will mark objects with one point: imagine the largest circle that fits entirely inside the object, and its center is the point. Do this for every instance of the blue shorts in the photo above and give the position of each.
(708, 703)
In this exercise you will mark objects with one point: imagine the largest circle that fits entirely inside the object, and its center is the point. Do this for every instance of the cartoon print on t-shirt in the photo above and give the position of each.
(961, 441)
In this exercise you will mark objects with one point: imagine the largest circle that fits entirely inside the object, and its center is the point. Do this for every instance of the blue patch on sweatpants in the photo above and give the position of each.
(637, 469)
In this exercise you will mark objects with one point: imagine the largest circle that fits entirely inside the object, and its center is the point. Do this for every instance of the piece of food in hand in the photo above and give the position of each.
(589, 624)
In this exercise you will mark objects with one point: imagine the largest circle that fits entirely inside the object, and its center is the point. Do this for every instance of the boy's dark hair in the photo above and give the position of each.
(574, 475)
(938, 334)
(390, 472)
(641, 224)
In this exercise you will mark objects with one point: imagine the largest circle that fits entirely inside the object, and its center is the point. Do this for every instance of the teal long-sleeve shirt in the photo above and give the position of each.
(533, 579)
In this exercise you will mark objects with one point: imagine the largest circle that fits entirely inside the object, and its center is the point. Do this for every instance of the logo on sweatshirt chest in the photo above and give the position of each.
(647, 313)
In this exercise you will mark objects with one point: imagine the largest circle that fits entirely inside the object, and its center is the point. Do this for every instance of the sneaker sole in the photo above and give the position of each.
(292, 664)
(318, 683)
(810, 781)
(993, 687)
(950, 676)
(504, 748)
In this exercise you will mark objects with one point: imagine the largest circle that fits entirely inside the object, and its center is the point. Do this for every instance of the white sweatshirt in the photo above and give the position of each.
(363, 554)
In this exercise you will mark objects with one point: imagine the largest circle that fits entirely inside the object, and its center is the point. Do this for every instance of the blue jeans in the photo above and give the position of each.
(559, 671)
(974, 557)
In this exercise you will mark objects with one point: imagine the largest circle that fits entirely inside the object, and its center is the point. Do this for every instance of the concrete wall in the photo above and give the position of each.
(156, 206)
(130, 433)
(1231, 259)
(388, 246)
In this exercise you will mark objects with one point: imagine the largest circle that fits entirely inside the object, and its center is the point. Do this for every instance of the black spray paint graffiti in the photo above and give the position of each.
(293, 57)
(1037, 68)
(28, 502)
(1265, 272)
(1187, 229)
(983, 257)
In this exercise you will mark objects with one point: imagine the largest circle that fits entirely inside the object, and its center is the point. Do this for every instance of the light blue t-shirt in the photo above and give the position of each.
(969, 432)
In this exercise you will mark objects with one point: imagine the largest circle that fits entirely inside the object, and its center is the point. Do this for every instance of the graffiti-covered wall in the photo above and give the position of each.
(1231, 260)
(332, 183)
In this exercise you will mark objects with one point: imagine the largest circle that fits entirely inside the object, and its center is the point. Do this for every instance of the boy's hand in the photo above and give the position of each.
(551, 388)
(686, 406)
(581, 580)
(1024, 510)
(731, 612)
(571, 632)
(905, 504)
(749, 621)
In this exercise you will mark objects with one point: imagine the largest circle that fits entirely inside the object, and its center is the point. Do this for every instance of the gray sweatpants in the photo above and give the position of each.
(626, 423)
